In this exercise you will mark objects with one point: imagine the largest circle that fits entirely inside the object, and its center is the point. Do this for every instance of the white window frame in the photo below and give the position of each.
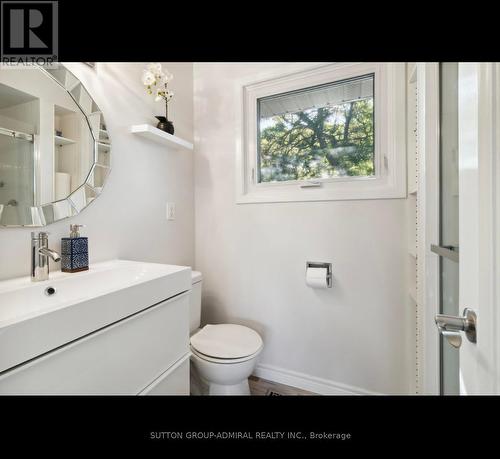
(389, 180)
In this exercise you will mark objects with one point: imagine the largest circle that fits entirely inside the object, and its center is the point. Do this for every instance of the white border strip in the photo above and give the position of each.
(305, 382)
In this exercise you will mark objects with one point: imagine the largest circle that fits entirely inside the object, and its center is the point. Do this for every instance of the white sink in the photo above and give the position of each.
(33, 323)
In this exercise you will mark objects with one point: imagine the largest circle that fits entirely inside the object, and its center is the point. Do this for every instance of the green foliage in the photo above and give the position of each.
(327, 142)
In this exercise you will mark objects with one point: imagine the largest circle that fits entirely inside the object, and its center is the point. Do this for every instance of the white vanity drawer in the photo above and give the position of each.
(123, 358)
(175, 381)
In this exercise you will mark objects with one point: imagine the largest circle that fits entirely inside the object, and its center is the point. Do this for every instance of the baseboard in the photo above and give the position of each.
(306, 382)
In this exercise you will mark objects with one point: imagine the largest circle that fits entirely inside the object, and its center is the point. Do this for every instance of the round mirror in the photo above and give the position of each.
(54, 146)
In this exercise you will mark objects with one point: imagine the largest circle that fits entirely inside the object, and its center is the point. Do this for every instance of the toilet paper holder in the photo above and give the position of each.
(320, 264)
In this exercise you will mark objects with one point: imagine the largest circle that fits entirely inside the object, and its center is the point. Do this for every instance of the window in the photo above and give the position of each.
(330, 133)
(317, 133)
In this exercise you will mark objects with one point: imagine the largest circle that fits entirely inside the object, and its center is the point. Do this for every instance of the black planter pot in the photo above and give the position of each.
(165, 125)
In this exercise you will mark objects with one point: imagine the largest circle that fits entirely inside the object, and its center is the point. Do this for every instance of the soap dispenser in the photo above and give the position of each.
(74, 251)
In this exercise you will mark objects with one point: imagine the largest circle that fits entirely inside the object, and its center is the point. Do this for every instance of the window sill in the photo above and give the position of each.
(375, 188)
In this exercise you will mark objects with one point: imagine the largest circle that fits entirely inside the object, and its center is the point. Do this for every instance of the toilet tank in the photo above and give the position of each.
(195, 301)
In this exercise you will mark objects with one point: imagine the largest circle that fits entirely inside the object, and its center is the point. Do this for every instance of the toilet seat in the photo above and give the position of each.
(226, 343)
(207, 358)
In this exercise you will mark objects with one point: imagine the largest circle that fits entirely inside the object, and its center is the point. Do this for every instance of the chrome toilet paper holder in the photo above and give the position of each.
(320, 264)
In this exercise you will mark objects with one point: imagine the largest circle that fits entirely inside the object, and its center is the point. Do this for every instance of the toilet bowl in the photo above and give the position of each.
(223, 355)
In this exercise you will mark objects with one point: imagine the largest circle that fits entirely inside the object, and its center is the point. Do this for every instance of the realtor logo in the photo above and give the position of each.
(29, 32)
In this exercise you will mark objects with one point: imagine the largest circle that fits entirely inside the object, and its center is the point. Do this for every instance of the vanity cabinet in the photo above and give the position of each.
(173, 381)
(146, 353)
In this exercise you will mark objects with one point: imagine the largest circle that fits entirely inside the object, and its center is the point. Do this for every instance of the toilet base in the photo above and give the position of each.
(236, 389)
(199, 386)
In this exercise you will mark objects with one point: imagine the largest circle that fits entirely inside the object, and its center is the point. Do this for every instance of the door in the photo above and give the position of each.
(478, 110)
(468, 250)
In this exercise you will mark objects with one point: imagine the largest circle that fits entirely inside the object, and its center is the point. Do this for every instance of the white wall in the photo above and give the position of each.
(128, 219)
(253, 258)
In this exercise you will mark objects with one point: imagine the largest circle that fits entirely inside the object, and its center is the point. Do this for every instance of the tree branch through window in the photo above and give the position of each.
(314, 143)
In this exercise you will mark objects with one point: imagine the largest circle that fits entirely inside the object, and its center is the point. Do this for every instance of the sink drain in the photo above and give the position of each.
(49, 291)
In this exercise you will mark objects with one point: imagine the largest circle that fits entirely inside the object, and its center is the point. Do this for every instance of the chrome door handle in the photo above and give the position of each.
(451, 326)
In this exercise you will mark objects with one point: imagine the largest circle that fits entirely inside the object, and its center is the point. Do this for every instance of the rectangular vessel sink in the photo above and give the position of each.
(33, 322)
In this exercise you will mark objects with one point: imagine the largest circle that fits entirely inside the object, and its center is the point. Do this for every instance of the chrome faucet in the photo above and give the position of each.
(40, 254)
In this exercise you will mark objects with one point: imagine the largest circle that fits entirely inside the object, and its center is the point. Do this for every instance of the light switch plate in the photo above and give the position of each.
(170, 210)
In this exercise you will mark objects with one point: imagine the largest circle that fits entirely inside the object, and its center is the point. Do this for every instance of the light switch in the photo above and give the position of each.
(170, 210)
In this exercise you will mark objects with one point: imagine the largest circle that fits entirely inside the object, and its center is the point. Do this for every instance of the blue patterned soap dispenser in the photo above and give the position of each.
(74, 251)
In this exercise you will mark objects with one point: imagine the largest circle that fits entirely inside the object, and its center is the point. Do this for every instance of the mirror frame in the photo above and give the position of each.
(86, 193)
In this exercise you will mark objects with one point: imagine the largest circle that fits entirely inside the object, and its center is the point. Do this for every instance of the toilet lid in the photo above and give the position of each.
(226, 341)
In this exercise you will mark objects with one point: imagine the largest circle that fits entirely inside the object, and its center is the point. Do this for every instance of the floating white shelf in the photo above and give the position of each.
(60, 141)
(152, 133)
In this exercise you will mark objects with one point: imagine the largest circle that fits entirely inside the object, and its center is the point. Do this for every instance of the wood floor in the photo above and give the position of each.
(260, 386)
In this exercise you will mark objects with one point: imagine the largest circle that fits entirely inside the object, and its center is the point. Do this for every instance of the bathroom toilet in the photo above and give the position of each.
(223, 355)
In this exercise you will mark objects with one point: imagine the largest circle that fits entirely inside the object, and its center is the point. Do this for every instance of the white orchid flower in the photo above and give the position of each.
(148, 78)
(154, 68)
(153, 75)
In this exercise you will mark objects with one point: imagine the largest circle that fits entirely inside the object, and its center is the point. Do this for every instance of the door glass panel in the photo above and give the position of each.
(449, 305)
(449, 218)
(16, 172)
